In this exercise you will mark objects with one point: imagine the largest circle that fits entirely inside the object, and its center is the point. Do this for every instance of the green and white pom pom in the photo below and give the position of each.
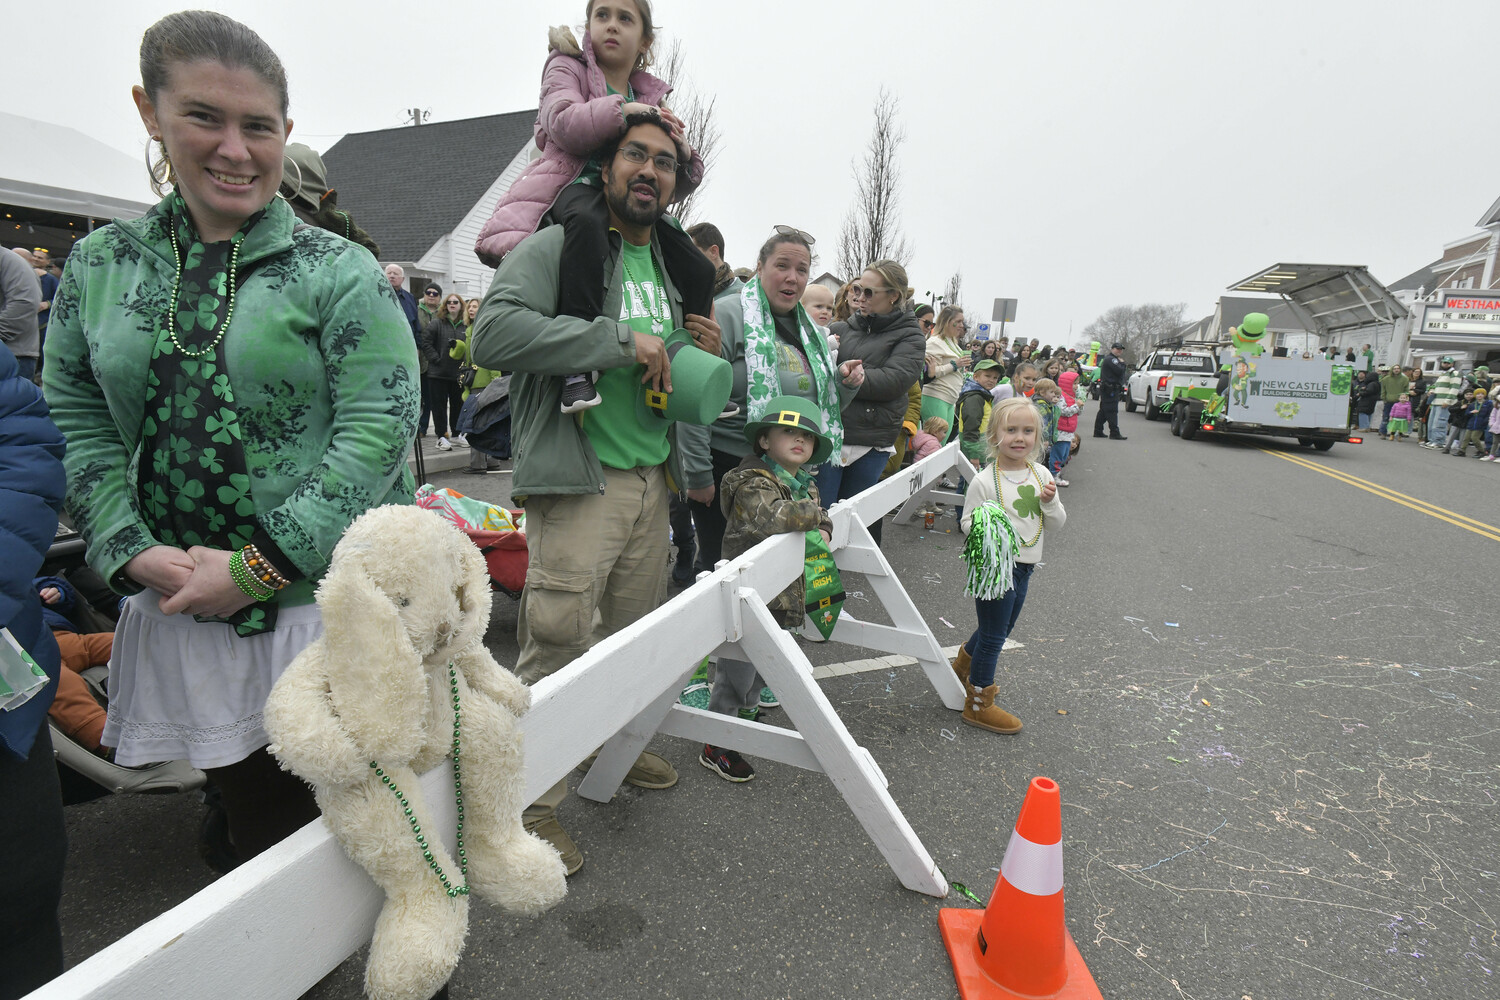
(990, 552)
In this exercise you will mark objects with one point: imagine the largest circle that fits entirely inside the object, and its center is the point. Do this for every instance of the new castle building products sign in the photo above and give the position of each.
(1289, 392)
(1464, 314)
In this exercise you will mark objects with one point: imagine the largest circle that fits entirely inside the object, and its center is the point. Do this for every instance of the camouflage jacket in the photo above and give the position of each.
(757, 505)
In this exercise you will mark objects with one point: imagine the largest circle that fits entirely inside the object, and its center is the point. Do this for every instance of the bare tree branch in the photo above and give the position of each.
(872, 229)
(953, 291)
(1139, 328)
(698, 119)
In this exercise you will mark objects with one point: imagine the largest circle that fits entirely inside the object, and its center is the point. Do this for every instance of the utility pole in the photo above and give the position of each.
(416, 116)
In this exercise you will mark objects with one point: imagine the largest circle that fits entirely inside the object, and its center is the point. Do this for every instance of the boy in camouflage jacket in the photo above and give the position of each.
(769, 493)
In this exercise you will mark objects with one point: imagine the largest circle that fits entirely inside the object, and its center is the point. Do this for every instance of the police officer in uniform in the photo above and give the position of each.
(1112, 377)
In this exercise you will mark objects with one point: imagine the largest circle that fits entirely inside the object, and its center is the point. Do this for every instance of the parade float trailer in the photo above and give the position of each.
(1302, 398)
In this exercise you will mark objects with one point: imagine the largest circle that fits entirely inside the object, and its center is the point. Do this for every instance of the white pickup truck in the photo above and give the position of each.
(1151, 384)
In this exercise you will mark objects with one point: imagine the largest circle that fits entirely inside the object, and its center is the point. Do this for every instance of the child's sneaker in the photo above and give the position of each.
(749, 714)
(728, 764)
(461, 440)
(1060, 482)
(578, 393)
(768, 699)
(1487, 458)
(443, 444)
(695, 695)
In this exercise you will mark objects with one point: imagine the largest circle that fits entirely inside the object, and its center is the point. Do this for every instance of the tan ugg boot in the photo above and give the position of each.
(980, 711)
(961, 666)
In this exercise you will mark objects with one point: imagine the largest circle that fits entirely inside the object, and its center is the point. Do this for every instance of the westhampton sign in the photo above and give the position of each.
(1463, 313)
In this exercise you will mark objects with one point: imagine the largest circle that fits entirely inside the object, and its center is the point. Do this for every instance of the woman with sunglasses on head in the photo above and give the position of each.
(775, 350)
(235, 390)
(884, 338)
(445, 397)
(946, 364)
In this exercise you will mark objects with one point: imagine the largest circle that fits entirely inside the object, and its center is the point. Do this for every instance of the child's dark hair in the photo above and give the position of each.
(648, 30)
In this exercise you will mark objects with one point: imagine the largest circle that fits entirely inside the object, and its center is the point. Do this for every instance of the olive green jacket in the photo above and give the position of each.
(318, 352)
(518, 331)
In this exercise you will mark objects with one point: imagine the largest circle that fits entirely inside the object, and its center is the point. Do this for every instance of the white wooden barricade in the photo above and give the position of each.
(276, 925)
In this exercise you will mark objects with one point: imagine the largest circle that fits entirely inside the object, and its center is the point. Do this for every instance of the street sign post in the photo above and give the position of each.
(1005, 312)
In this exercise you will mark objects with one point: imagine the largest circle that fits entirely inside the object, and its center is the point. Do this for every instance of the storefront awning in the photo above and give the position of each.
(1328, 298)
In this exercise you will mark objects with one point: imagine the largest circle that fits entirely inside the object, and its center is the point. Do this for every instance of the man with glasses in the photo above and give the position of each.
(594, 485)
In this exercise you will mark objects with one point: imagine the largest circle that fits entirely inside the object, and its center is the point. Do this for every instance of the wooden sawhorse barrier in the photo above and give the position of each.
(275, 926)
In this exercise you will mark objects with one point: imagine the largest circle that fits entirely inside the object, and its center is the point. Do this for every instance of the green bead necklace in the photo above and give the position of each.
(234, 258)
(458, 794)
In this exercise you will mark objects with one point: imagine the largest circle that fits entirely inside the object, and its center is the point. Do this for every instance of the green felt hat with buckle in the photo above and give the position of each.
(792, 411)
(701, 384)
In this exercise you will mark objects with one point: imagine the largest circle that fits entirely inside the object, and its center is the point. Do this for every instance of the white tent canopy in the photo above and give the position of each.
(52, 168)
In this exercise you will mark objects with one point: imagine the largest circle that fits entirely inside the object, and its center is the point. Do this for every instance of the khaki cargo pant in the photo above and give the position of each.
(588, 553)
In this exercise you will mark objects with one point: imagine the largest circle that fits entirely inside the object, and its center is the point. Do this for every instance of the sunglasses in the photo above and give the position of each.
(861, 292)
(796, 234)
(928, 324)
(430, 294)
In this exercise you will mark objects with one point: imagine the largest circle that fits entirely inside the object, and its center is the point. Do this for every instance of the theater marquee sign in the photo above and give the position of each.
(1464, 314)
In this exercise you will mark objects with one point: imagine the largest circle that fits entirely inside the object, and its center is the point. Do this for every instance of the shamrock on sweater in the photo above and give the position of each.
(1027, 503)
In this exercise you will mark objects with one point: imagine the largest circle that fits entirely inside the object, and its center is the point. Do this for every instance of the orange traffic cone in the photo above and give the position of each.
(1019, 946)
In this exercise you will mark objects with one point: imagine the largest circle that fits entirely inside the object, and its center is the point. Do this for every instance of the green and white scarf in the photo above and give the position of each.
(762, 380)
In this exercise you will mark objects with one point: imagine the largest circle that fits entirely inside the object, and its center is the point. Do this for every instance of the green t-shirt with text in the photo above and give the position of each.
(619, 438)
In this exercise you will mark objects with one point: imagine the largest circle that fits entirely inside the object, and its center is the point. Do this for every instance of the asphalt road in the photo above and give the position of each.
(1280, 763)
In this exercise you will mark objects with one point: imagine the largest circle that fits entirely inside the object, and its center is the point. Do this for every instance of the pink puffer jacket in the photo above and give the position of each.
(1065, 382)
(578, 114)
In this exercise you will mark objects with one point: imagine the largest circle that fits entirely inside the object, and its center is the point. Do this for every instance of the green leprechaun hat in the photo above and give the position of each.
(792, 411)
(701, 384)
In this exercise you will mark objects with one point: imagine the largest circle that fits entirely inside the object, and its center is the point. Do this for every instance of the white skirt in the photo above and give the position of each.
(181, 690)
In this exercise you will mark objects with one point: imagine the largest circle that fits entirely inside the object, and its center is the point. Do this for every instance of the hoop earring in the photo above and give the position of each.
(160, 171)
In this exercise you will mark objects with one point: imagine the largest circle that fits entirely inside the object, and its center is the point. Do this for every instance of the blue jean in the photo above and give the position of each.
(27, 367)
(1437, 423)
(1364, 421)
(996, 619)
(836, 482)
(1058, 456)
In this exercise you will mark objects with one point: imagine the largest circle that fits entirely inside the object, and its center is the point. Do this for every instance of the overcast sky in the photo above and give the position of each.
(1073, 156)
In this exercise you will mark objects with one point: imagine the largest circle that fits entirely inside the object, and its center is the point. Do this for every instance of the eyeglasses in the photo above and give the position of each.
(663, 162)
(796, 234)
(430, 293)
(861, 292)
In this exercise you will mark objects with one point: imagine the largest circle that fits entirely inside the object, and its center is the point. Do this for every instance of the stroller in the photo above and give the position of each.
(499, 533)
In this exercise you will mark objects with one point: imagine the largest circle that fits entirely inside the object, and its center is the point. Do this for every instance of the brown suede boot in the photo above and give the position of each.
(980, 711)
(961, 666)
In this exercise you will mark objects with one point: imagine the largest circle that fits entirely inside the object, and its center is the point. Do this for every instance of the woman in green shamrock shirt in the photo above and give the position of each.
(235, 389)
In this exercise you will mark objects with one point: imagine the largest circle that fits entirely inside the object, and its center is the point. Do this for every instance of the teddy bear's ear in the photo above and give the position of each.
(474, 596)
(375, 676)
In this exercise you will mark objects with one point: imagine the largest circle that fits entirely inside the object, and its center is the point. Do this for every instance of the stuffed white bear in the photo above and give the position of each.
(405, 597)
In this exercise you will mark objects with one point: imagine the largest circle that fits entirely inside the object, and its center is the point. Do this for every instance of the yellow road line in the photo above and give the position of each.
(1489, 531)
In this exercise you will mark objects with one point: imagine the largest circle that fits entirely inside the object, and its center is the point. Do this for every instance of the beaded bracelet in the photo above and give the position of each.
(260, 567)
(244, 580)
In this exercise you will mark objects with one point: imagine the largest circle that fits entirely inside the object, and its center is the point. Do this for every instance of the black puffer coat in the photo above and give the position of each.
(891, 346)
(435, 341)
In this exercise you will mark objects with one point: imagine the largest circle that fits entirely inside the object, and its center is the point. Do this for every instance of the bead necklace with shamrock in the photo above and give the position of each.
(458, 795)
